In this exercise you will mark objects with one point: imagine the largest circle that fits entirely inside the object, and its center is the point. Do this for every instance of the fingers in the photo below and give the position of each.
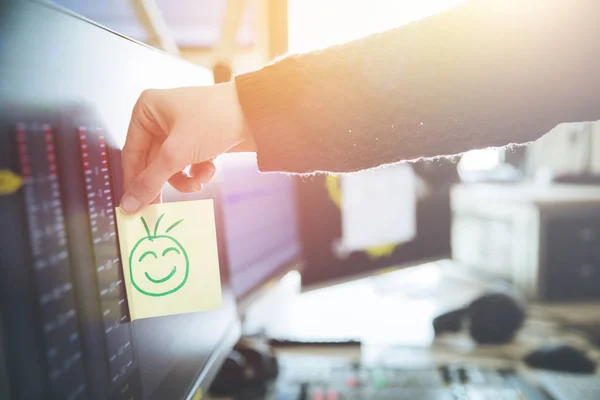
(200, 174)
(204, 171)
(143, 133)
(184, 183)
(147, 185)
(158, 199)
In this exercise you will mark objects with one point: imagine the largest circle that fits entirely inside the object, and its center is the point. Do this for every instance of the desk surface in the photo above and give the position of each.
(391, 314)
(391, 309)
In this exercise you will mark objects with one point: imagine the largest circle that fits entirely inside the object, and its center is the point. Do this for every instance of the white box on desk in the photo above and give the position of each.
(544, 239)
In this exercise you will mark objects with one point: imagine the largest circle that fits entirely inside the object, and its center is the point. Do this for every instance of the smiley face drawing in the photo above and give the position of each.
(158, 264)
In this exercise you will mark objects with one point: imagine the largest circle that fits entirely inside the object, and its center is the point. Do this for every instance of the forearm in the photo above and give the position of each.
(487, 73)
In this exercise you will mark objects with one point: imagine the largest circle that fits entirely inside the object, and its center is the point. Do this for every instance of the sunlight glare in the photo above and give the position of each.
(314, 24)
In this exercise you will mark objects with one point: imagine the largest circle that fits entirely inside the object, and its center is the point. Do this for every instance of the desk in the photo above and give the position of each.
(391, 309)
(395, 310)
(391, 315)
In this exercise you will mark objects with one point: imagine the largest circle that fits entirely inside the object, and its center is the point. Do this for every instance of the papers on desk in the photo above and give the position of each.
(378, 207)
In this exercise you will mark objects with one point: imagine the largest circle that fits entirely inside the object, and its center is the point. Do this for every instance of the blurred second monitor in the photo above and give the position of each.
(355, 225)
(260, 221)
(273, 221)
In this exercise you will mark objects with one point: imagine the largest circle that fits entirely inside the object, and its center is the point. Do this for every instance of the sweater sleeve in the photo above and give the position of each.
(486, 73)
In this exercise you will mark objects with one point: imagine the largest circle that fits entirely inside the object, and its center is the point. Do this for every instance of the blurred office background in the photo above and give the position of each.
(470, 208)
(475, 235)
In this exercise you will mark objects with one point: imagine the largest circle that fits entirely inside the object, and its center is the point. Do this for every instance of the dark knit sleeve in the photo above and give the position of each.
(487, 73)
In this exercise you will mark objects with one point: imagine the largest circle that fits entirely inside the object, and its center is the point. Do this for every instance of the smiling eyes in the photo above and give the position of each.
(169, 249)
(164, 253)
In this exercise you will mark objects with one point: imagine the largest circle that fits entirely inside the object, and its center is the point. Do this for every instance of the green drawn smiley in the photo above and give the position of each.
(158, 264)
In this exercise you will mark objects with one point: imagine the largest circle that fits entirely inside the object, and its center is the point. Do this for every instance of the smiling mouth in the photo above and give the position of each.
(166, 278)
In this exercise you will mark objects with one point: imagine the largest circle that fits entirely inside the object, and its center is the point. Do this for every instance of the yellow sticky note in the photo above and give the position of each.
(170, 259)
(198, 395)
(9, 182)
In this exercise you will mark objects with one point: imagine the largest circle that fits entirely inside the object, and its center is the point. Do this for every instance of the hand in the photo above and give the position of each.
(171, 129)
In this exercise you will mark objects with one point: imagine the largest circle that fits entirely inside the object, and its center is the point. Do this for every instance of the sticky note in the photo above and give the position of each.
(170, 259)
(9, 182)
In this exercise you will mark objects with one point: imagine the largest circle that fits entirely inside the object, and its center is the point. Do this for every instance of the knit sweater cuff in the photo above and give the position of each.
(266, 102)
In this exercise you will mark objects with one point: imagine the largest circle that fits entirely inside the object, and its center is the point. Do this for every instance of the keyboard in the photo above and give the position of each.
(570, 386)
(316, 380)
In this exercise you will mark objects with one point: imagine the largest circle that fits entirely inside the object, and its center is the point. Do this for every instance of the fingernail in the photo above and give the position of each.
(197, 187)
(130, 205)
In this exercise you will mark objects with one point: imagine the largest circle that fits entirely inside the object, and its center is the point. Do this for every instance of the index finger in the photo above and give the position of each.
(140, 136)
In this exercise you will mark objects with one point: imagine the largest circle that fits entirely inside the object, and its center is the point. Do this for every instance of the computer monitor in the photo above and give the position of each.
(326, 262)
(67, 88)
(261, 225)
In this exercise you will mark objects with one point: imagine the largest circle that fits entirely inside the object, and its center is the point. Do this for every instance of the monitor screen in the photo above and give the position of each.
(337, 247)
(260, 220)
(67, 89)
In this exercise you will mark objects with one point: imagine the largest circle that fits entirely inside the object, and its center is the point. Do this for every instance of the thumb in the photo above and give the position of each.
(148, 184)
